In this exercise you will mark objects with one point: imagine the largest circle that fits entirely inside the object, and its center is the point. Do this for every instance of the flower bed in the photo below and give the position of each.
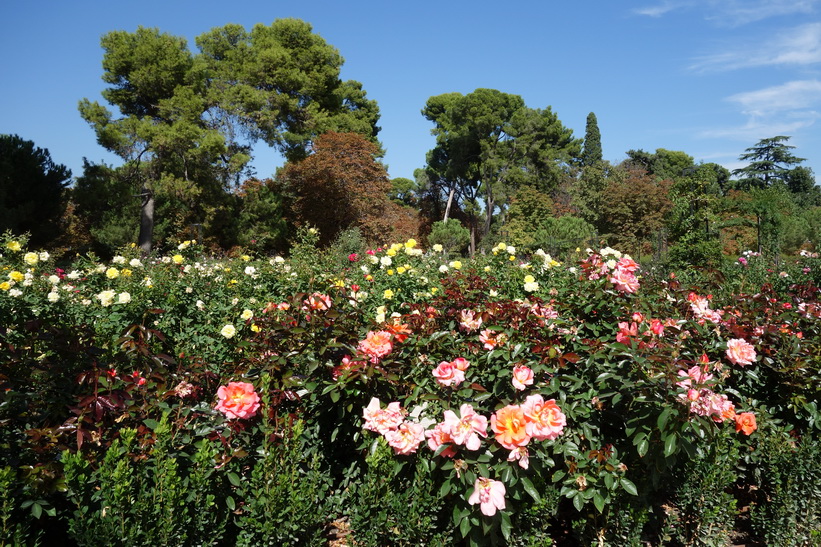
(408, 396)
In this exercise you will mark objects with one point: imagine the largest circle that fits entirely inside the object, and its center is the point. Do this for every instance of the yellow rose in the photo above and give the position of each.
(125, 272)
(388, 294)
(5, 285)
(31, 258)
(390, 272)
(112, 273)
(400, 270)
(391, 252)
(178, 259)
(255, 328)
(13, 246)
(410, 244)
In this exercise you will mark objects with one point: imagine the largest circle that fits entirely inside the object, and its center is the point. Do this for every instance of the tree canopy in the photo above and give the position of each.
(187, 122)
(770, 163)
(488, 143)
(31, 189)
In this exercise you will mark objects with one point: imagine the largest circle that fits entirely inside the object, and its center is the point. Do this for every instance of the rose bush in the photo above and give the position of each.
(516, 396)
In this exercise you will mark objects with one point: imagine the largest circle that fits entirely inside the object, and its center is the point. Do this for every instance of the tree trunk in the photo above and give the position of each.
(447, 209)
(146, 221)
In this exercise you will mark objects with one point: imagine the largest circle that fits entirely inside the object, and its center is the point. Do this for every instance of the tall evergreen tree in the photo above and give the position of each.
(31, 190)
(770, 162)
(591, 154)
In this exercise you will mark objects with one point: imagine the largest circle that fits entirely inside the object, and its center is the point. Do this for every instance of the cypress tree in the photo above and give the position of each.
(591, 154)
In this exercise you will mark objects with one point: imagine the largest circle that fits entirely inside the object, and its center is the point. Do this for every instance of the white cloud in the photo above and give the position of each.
(792, 96)
(798, 46)
(742, 12)
(755, 130)
(660, 9)
(732, 12)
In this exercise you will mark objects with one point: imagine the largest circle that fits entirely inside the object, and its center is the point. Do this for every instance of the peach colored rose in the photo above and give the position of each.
(469, 320)
(238, 400)
(510, 426)
(317, 302)
(448, 374)
(745, 422)
(740, 352)
(624, 281)
(438, 436)
(522, 377)
(376, 345)
(489, 494)
(382, 420)
(545, 420)
(406, 438)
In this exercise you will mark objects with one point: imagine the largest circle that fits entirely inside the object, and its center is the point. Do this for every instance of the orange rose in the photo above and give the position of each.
(509, 424)
(745, 422)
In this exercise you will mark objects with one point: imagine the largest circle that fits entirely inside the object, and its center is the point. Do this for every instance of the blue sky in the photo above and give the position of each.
(708, 77)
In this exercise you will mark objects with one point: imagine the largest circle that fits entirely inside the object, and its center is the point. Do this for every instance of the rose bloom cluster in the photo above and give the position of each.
(703, 401)
(514, 427)
(619, 269)
(403, 436)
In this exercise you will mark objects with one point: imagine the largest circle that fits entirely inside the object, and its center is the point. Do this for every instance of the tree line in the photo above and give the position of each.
(184, 124)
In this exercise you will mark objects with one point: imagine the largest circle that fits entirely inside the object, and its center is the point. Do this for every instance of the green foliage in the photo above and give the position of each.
(770, 161)
(283, 501)
(703, 509)
(786, 510)
(451, 235)
(592, 153)
(410, 510)
(158, 499)
(32, 190)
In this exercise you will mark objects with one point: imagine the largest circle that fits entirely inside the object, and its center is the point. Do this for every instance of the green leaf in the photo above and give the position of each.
(151, 424)
(663, 417)
(530, 489)
(444, 490)
(643, 447)
(628, 486)
(233, 478)
(506, 526)
(37, 510)
(578, 503)
(598, 501)
(464, 527)
(670, 445)
(229, 502)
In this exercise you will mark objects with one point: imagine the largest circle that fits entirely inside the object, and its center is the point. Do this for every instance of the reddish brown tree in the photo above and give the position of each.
(341, 185)
(637, 207)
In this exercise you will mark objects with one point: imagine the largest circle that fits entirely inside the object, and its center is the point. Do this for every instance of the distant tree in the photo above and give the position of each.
(31, 190)
(403, 191)
(340, 185)
(488, 143)
(105, 206)
(261, 223)
(591, 153)
(637, 208)
(663, 164)
(588, 193)
(187, 123)
(770, 163)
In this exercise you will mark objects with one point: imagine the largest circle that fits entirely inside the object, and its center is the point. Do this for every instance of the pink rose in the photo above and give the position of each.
(376, 345)
(624, 281)
(467, 429)
(489, 494)
(545, 420)
(406, 438)
(382, 420)
(522, 377)
(238, 400)
(740, 352)
(448, 374)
